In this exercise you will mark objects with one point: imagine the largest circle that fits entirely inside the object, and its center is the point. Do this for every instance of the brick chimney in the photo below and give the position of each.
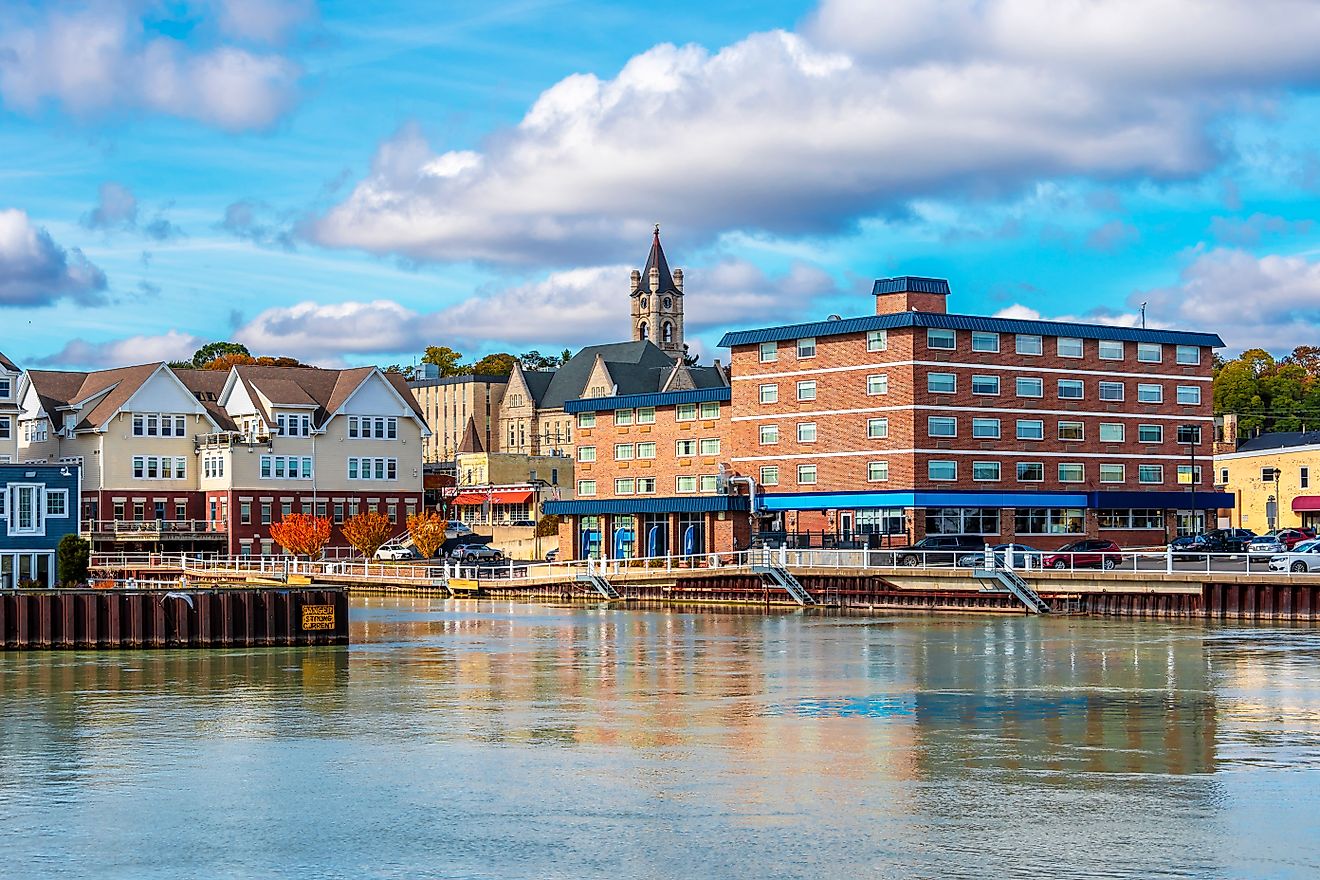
(909, 293)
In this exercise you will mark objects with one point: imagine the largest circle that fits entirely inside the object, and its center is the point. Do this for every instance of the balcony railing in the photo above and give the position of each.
(226, 439)
(155, 529)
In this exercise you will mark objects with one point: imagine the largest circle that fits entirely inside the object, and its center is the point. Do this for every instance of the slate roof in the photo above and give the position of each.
(656, 260)
(636, 367)
(1279, 440)
(58, 388)
(324, 390)
(471, 441)
(206, 386)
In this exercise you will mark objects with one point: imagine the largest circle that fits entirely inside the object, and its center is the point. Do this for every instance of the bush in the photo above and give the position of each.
(74, 557)
(548, 526)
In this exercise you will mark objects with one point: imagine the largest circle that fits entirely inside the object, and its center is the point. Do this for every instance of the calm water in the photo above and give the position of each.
(516, 741)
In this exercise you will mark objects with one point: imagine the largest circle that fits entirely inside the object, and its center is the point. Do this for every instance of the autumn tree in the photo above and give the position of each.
(301, 534)
(367, 531)
(427, 530)
(213, 350)
(498, 364)
(449, 361)
(225, 361)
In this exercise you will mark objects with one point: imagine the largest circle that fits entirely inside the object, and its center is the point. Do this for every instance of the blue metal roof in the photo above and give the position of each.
(845, 500)
(910, 284)
(900, 320)
(687, 504)
(629, 401)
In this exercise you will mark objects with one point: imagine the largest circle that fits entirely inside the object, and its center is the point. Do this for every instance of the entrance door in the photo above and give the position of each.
(160, 511)
(846, 525)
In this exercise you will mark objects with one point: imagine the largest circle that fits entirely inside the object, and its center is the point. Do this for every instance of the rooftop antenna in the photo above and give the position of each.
(1143, 316)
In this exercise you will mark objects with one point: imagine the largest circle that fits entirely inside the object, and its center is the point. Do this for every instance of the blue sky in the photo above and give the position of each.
(348, 182)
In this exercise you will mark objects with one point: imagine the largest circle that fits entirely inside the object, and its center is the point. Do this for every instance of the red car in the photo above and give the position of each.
(1290, 538)
(1082, 554)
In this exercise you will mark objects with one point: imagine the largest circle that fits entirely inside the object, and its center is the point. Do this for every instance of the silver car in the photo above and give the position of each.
(1266, 546)
(1304, 557)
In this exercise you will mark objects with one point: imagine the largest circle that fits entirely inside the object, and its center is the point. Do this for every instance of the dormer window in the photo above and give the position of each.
(6, 387)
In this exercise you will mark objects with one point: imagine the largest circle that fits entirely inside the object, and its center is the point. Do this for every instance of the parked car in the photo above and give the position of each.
(456, 528)
(1010, 555)
(524, 523)
(1215, 541)
(552, 555)
(1266, 546)
(939, 549)
(395, 553)
(1305, 556)
(477, 553)
(1090, 553)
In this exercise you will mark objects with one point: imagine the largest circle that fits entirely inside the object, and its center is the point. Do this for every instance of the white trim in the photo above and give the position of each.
(981, 366)
(1257, 453)
(1009, 453)
(977, 409)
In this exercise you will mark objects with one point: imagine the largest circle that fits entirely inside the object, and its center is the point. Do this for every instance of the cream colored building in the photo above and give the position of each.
(1275, 479)
(448, 404)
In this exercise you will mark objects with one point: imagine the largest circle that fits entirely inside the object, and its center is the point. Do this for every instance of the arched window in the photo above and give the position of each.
(643, 331)
(669, 303)
(643, 303)
(667, 332)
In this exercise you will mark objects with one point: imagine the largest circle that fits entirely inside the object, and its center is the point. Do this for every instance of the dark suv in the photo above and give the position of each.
(939, 549)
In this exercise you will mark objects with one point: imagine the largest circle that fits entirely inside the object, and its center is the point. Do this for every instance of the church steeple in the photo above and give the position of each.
(657, 301)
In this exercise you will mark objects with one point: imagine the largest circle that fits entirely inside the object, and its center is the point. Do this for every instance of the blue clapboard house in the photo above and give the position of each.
(39, 505)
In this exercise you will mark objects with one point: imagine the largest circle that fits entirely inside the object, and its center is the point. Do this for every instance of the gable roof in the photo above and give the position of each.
(58, 389)
(8, 365)
(635, 367)
(323, 391)
(206, 386)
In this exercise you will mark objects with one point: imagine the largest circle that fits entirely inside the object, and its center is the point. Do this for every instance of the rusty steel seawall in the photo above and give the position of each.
(110, 619)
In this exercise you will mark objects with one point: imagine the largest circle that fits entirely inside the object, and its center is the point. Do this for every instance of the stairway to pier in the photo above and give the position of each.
(782, 577)
(1010, 580)
(600, 585)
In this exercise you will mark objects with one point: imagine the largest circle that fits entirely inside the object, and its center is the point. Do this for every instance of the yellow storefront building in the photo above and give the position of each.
(1274, 479)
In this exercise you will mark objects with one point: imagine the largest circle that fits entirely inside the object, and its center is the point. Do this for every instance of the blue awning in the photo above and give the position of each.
(1095, 500)
(691, 504)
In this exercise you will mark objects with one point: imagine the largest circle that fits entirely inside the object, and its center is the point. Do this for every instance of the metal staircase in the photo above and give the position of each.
(1011, 581)
(783, 578)
(602, 586)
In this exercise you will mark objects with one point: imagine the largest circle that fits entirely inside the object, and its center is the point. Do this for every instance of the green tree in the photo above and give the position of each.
(449, 361)
(75, 556)
(213, 350)
(497, 364)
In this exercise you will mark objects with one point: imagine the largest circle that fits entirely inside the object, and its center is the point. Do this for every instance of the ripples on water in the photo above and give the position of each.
(479, 740)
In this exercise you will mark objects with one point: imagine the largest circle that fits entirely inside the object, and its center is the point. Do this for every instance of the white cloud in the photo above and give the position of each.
(1098, 316)
(325, 333)
(117, 210)
(95, 59)
(36, 271)
(79, 353)
(870, 106)
(266, 21)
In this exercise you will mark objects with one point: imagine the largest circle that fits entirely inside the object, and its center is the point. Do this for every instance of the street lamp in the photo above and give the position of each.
(1190, 435)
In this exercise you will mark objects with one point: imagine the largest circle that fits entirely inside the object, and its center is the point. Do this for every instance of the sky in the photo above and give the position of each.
(347, 183)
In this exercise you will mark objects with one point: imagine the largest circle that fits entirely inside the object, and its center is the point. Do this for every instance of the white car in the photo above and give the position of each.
(394, 553)
(1303, 557)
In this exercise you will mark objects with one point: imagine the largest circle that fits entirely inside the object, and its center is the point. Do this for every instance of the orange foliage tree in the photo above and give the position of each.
(427, 529)
(367, 531)
(301, 534)
(225, 361)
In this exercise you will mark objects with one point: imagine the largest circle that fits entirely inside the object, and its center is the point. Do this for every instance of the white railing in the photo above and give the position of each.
(156, 526)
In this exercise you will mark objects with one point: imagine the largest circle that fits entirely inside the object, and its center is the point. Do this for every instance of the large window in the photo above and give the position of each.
(1188, 355)
(877, 383)
(685, 412)
(623, 417)
(286, 467)
(1111, 391)
(359, 427)
(877, 340)
(1029, 387)
(585, 420)
(160, 467)
(373, 469)
(962, 521)
(623, 452)
(1049, 521)
(1111, 350)
(942, 470)
(1150, 433)
(877, 429)
(647, 450)
(806, 389)
(985, 385)
(942, 426)
(985, 429)
(586, 453)
(1135, 518)
(985, 471)
(1030, 429)
(982, 341)
(159, 425)
(710, 409)
(1029, 344)
(1189, 394)
(806, 432)
(1150, 352)
(688, 448)
(709, 446)
(646, 415)
(1071, 431)
(769, 393)
(685, 484)
(586, 488)
(1070, 472)
(1113, 473)
(941, 383)
(1071, 389)
(1069, 347)
(1111, 432)
(1150, 393)
(1150, 473)
(941, 339)
(1030, 472)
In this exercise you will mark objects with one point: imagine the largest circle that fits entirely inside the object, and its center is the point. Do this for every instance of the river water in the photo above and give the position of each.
(479, 740)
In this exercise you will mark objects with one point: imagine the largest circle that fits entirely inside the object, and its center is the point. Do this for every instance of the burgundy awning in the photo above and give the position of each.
(1306, 503)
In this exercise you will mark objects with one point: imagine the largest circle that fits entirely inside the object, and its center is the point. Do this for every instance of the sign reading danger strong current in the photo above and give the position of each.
(318, 617)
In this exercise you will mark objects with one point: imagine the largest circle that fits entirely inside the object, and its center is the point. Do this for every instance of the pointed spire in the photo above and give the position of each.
(656, 260)
(471, 441)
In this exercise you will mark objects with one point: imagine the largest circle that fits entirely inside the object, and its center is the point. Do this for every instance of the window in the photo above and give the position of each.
(1028, 344)
(685, 448)
(586, 487)
(877, 471)
(1030, 429)
(624, 486)
(1150, 473)
(1304, 478)
(770, 475)
(57, 502)
(1028, 387)
(1149, 352)
(6, 388)
(985, 384)
(941, 470)
(710, 409)
(1188, 355)
(646, 485)
(806, 348)
(982, 341)
(685, 484)
(806, 475)
(1071, 473)
(623, 417)
(373, 468)
(1150, 393)
(1069, 347)
(768, 352)
(806, 432)
(877, 383)
(623, 451)
(877, 340)
(941, 339)
(985, 429)
(1111, 432)
(1189, 394)
(1030, 472)
(685, 412)
(709, 446)
(157, 467)
(6, 427)
(25, 517)
(1112, 473)
(769, 393)
(1071, 431)
(1268, 475)
(1150, 433)
(769, 434)
(1223, 476)
(942, 426)
(266, 505)
(806, 389)
(708, 483)
(962, 521)
(1071, 389)
(1189, 434)
(1185, 475)
(1138, 518)
(985, 471)
(647, 450)
(1049, 521)
(646, 415)
(1111, 350)
(586, 420)
(1111, 391)
(877, 429)
(586, 453)
(941, 383)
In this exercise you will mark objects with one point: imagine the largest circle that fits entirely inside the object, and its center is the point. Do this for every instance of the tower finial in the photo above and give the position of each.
(657, 230)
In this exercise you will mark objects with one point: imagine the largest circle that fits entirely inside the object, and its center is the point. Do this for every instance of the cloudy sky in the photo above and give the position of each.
(348, 182)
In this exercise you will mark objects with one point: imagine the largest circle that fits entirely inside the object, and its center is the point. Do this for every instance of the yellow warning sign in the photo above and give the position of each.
(318, 617)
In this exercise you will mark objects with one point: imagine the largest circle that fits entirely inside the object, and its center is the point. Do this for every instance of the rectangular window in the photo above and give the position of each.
(623, 452)
(962, 520)
(1030, 429)
(877, 471)
(6, 428)
(982, 341)
(941, 383)
(1150, 393)
(646, 485)
(985, 471)
(623, 417)
(1072, 473)
(942, 470)
(646, 450)
(877, 429)
(1223, 476)
(1113, 473)
(624, 486)
(1150, 473)
(944, 340)
(806, 389)
(1185, 475)
(1150, 433)
(1188, 355)
(1071, 431)
(806, 475)
(685, 448)
(1111, 350)
(1189, 394)
(985, 429)
(806, 348)
(646, 415)
(806, 432)
(1069, 347)
(710, 409)
(1111, 432)
(769, 393)
(586, 487)
(685, 484)
(877, 383)
(1137, 518)
(586, 420)
(1030, 472)
(1049, 521)
(985, 385)
(1112, 391)
(942, 426)
(1149, 352)
(1029, 387)
(1029, 344)
(1071, 389)
(770, 475)
(709, 446)
(586, 453)
(1304, 477)
(266, 512)
(877, 340)
(685, 412)
(768, 352)
(57, 502)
